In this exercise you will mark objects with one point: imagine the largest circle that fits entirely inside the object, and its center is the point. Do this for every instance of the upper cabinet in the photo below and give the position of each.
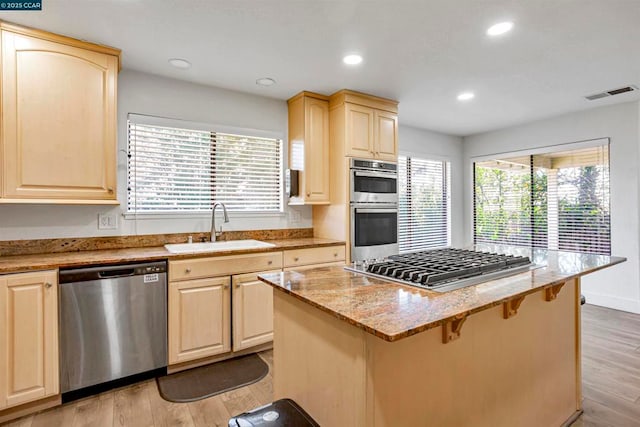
(58, 133)
(366, 126)
(309, 147)
(385, 135)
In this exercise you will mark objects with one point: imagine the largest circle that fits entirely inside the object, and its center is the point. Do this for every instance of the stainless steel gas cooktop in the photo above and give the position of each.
(443, 270)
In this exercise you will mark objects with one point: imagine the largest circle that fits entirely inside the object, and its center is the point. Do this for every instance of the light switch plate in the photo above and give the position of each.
(107, 221)
(294, 216)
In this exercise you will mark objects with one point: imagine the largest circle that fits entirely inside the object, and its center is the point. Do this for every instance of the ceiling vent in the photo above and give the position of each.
(611, 92)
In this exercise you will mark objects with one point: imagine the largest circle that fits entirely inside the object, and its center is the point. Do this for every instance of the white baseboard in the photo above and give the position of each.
(624, 304)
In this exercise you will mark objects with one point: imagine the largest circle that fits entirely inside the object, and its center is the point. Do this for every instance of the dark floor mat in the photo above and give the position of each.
(209, 380)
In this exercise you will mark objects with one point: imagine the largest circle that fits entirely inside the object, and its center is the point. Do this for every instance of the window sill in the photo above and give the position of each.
(203, 215)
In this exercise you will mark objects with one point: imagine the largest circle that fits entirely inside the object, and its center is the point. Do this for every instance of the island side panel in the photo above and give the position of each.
(578, 342)
(319, 362)
(523, 371)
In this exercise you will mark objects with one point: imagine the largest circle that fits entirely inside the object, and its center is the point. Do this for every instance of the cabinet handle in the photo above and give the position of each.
(187, 270)
(269, 262)
(225, 286)
(308, 194)
(110, 190)
(238, 286)
(48, 285)
(296, 259)
(335, 254)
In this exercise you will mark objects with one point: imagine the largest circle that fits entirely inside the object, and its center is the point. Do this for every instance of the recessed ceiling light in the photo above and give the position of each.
(265, 81)
(180, 63)
(352, 59)
(500, 28)
(466, 96)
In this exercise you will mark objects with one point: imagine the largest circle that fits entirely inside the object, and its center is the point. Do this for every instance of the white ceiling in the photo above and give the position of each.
(422, 52)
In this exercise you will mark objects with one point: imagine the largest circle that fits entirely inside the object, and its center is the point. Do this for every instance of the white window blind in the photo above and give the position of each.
(556, 200)
(502, 201)
(423, 214)
(578, 186)
(173, 169)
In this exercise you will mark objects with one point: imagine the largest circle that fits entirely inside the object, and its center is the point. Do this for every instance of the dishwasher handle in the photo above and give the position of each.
(112, 274)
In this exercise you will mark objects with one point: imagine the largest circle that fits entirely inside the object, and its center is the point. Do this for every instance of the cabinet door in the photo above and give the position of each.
(59, 121)
(252, 311)
(359, 131)
(386, 135)
(29, 337)
(198, 319)
(316, 167)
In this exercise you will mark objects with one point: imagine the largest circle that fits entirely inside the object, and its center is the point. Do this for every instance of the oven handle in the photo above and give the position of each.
(371, 174)
(374, 210)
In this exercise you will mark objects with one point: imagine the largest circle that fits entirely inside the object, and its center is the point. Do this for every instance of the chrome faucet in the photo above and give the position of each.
(215, 233)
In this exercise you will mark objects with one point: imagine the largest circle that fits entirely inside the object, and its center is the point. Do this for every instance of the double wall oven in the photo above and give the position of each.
(374, 209)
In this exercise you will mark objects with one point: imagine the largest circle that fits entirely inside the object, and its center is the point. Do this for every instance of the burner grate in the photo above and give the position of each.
(437, 267)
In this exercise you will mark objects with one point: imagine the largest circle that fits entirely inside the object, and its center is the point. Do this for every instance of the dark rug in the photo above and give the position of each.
(206, 381)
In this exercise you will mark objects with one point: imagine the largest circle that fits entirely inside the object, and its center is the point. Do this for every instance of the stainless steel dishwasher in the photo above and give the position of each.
(113, 326)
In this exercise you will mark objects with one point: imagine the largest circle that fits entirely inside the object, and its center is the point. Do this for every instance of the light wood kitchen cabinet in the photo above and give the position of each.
(58, 133)
(252, 311)
(386, 135)
(312, 266)
(309, 147)
(28, 337)
(364, 126)
(310, 256)
(223, 266)
(201, 317)
(359, 130)
(199, 321)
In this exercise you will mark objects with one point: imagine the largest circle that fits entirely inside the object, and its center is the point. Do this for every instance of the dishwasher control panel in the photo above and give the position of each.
(152, 269)
(99, 272)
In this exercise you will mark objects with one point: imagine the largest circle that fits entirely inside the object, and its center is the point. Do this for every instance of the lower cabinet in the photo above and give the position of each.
(217, 304)
(28, 337)
(314, 257)
(207, 314)
(199, 321)
(252, 311)
(312, 266)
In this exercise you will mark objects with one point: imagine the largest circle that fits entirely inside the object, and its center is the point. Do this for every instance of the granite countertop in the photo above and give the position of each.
(16, 263)
(393, 311)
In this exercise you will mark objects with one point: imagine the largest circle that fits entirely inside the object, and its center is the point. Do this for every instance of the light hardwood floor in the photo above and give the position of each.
(140, 405)
(611, 388)
(610, 368)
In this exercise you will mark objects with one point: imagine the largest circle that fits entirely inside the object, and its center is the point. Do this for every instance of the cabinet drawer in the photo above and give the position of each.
(296, 257)
(224, 265)
(310, 266)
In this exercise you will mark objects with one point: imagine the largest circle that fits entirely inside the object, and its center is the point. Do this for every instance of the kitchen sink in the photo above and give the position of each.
(228, 245)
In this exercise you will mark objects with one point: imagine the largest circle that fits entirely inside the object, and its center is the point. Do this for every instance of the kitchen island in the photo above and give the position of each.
(360, 351)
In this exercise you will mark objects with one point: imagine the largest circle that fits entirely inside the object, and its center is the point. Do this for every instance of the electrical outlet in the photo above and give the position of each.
(107, 221)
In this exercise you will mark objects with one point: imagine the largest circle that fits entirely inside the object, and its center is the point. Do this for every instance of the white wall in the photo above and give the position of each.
(619, 286)
(149, 94)
(437, 146)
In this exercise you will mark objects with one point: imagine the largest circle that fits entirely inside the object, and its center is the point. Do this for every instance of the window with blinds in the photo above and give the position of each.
(423, 208)
(556, 200)
(174, 169)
